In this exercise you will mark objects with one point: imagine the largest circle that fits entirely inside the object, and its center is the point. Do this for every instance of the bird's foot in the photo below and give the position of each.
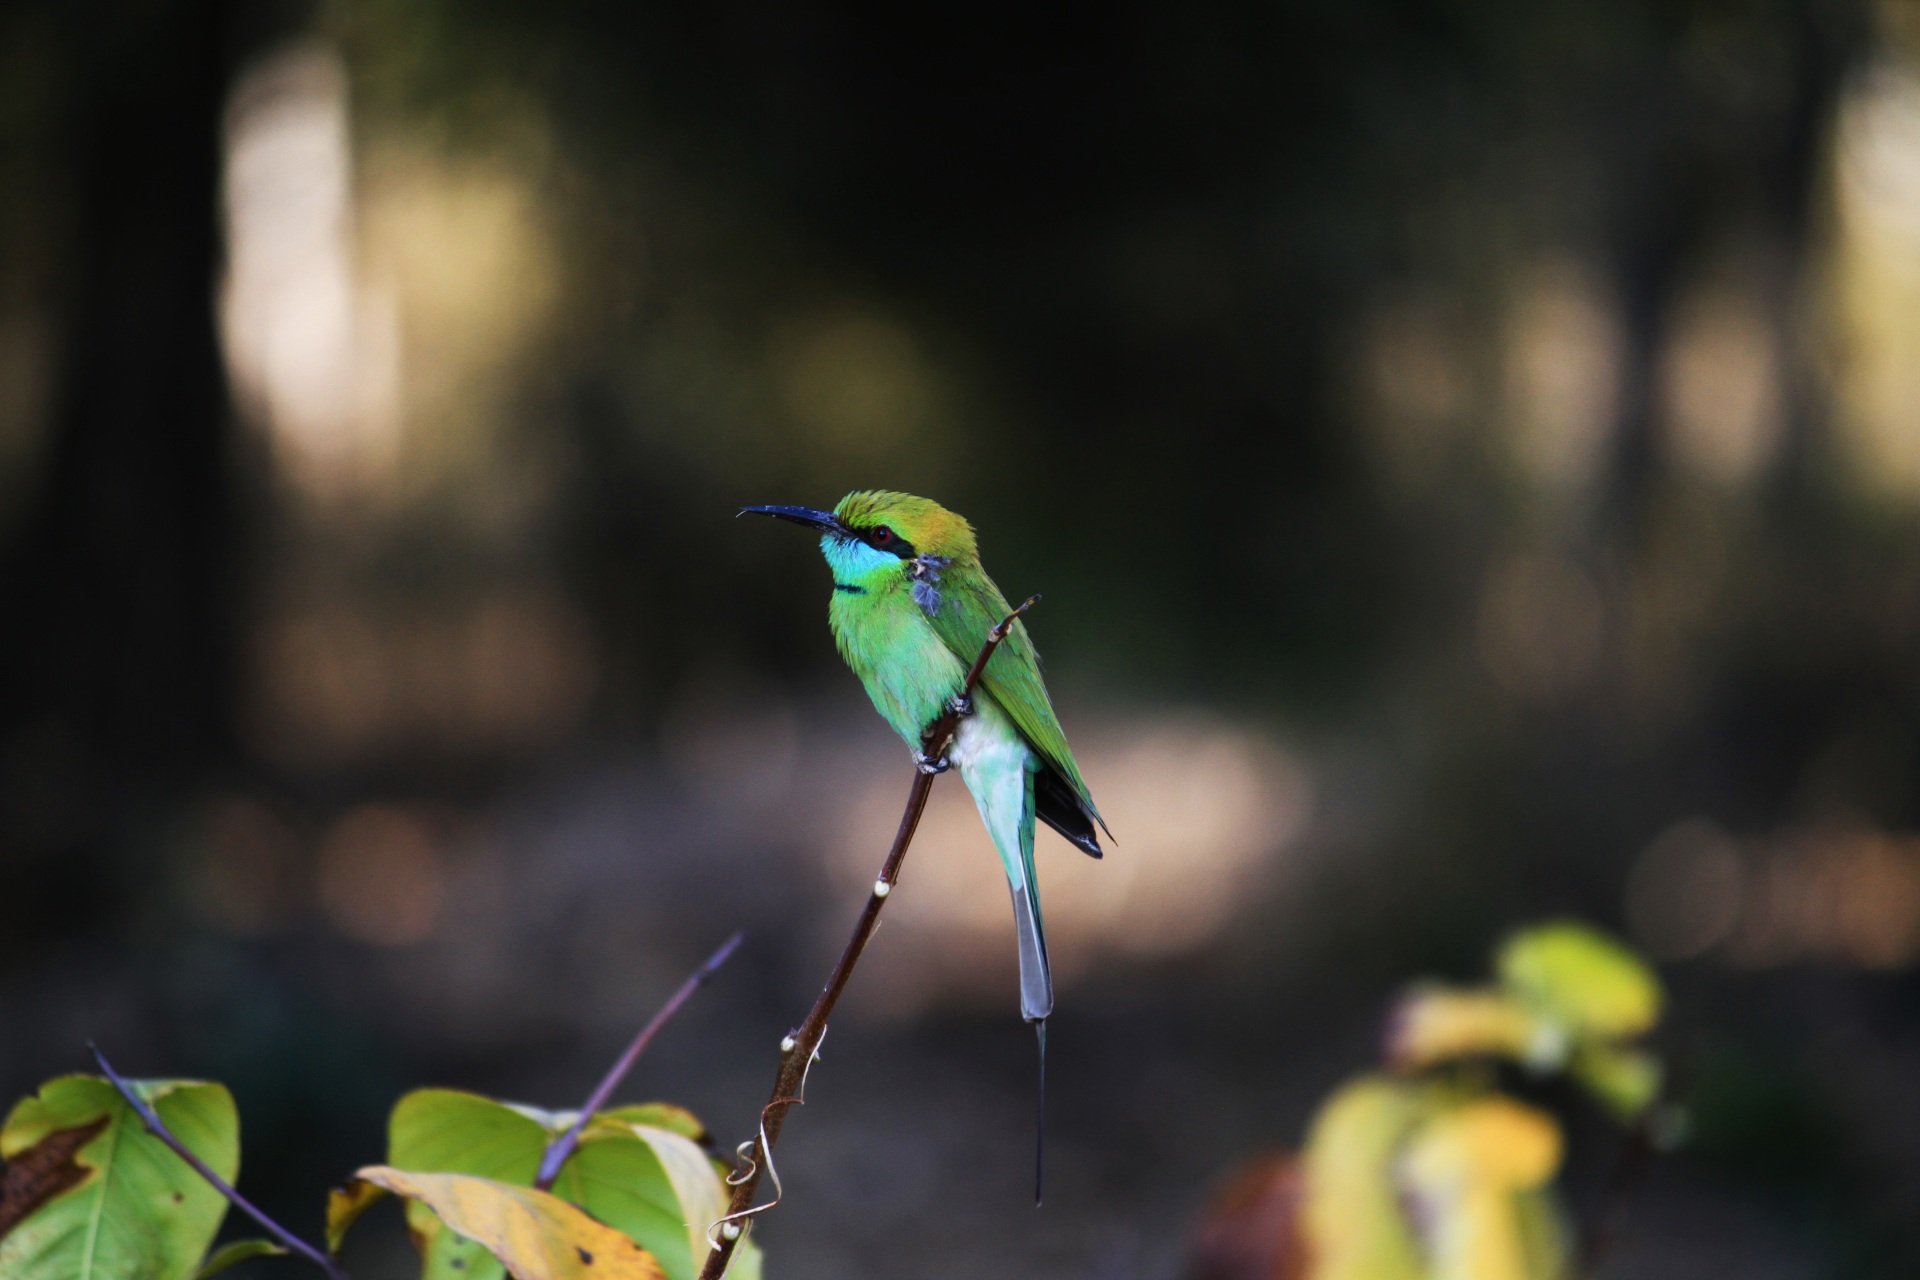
(962, 707)
(928, 765)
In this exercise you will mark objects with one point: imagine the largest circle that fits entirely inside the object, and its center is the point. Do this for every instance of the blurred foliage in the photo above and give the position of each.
(1568, 999)
(1430, 1170)
(1429, 1183)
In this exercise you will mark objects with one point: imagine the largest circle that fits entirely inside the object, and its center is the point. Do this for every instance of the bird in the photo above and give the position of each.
(910, 610)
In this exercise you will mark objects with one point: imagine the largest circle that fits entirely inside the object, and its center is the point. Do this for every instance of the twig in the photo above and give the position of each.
(1630, 1165)
(561, 1147)
(1635, 1151)
(797, 1050)
(159, 1130)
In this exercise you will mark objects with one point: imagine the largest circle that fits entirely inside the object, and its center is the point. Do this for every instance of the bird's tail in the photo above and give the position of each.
(1036, 977)
(1006, 801)
(1036, 983)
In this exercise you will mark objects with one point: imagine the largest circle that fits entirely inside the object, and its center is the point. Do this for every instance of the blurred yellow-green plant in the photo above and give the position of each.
(1566, 998)
(1429, 1168)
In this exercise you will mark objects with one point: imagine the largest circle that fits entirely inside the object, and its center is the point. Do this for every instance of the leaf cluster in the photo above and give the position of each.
(1429, 1168)
(88, 1192)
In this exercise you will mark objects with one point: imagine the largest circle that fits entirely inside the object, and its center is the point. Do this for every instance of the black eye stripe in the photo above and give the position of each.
(892, 542)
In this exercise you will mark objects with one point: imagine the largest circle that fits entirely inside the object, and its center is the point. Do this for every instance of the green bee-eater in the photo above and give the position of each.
(911, 608)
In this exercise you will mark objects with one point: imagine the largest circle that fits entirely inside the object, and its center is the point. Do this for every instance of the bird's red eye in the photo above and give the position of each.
(882, 536)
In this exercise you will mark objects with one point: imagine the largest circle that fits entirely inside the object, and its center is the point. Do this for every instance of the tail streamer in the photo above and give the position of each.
(1040, 1115)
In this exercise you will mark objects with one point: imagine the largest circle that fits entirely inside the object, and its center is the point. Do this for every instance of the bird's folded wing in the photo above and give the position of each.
(970, 606)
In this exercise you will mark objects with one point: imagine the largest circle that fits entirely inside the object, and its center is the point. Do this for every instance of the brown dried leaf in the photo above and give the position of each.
(43, 1171)
(1251, 1230)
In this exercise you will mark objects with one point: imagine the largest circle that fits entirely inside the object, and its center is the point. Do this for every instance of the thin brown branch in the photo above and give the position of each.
(158, 1129)
(1636, 1150)
(797, 1050)
(1643, 1140)
(563, 1146)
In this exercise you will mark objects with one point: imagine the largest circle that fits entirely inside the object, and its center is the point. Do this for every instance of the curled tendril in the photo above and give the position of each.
(748, 1165)
(761, 1146)
(814, 1056)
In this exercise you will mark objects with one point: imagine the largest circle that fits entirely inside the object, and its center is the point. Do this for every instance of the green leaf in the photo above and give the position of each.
(448, 1131)
(650, 1181)
(1625, 1081)
(118, 1203)
(537, 1236)
(235, 1253)
(655, 1185)
(1582, 978)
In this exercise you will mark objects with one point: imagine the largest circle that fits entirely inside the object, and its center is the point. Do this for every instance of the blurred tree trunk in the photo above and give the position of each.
(1682, 200)
(118, 641)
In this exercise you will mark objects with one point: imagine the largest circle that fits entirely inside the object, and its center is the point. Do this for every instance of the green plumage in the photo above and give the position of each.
(888, 641)
(929, 576)
(910, 612)
(973, 605)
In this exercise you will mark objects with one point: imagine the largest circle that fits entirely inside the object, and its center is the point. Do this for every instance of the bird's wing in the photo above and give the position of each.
(970, 605)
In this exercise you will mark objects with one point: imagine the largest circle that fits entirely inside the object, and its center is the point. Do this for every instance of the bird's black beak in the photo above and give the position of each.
(825, 521)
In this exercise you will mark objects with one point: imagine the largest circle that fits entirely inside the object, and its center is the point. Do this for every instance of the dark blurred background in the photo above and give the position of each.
(1470, 451)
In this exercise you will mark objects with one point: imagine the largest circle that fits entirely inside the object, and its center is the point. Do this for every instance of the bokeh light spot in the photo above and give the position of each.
(1203, 816)
(1540, 625)
(245, 879)
(1562, 374)
(382, 876)
(1684, 893)
(858, 384)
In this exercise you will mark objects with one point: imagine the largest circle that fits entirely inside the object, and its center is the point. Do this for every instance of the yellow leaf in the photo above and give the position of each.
(1436, 1024)
(1473, 1174)
(1354, 1225)
(660, 1115)
(344, 1207)
(535, 1235)
(1491, 1142)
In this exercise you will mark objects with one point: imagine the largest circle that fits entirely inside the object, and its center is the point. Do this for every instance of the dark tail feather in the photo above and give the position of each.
(1040, 1129)
(1056, 805)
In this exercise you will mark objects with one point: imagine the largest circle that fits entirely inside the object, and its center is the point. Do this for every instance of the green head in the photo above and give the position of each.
(874, 534)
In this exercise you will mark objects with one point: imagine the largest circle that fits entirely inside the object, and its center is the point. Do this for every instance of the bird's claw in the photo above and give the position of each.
(961, 707)
(928, 765)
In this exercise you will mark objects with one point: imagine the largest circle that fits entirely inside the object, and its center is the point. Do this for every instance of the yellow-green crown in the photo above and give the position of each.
(931, 528)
